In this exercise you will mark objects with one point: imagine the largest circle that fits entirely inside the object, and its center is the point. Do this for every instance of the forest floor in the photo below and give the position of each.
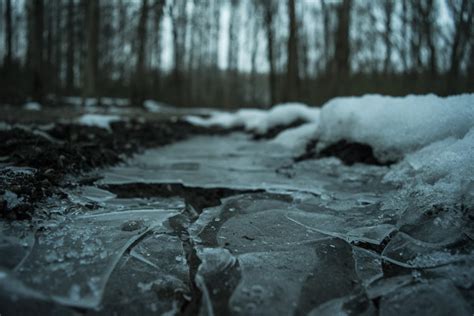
(150, 214)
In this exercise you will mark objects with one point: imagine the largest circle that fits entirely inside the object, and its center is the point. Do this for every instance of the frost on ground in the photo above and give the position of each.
(230, 225)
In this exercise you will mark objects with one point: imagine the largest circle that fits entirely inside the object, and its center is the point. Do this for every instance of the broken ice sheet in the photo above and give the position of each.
(406, 251)
(16, 241)
(294, 281)
(155, 274)
(368, 265)
(72, 261)
(436, 297)
(269, 265)
(355, 304)
(250, 221)
(87, 194)
(363, 224)
(18, 299)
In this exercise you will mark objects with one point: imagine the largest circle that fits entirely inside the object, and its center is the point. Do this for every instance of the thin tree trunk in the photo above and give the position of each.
(342, 52)
(9, 34)
(92, 55)
(158, 15)
(58, 57)
(388, 10)
(37, 49)
(139, 84)
(327, 59)
(292, 73)
(269, 13)
(70, 48)
(232, 57)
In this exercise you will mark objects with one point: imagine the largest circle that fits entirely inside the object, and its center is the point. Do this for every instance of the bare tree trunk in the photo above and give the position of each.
(292, 73)
(342, 51)
(388, 10)
(428, 16)
(139, 84)
(463, 16)
(403, 46)
(178, 25)
(254, 31)
(36, 49)
(325, 10)
(92, 55)
(70, 53)
(9, 34)
(58, 57)
(158, 15)
(49, 74)
(232, 56)
(269, 11)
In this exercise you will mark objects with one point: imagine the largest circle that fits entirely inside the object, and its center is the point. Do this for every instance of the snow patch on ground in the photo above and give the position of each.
(259, 121)
(296, 138)
(395, 126)
(156, 107)
(99, 120)
(441, 173)
(93, 102)
(32, 106)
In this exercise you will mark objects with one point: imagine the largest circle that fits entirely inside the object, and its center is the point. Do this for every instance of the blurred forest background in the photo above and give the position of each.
(231, 53)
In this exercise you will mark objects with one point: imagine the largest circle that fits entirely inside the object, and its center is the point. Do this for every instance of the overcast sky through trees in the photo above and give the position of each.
(183, 51)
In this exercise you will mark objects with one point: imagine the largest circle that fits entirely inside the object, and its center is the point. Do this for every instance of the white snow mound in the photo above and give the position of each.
(448, 162)
(296, 138)
(156, 107)
(259, 121)
(394, 126)
(99, 120)
(32, 106)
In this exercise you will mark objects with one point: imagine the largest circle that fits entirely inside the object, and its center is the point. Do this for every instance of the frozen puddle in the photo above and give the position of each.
(236, 162)
(230, 226)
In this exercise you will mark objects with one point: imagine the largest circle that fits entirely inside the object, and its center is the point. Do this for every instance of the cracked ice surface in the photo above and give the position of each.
(317, 238)
(279, 264)
(73, 257)
(237, 162)
(323, 238)
(274, 264)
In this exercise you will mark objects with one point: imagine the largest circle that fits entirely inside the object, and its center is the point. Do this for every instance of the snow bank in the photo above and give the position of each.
(156, 107)
(394, 126)
(441, 173)
(99, 120)
(296, 138)
(259, 121)
(32, 106)
(92, 102)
